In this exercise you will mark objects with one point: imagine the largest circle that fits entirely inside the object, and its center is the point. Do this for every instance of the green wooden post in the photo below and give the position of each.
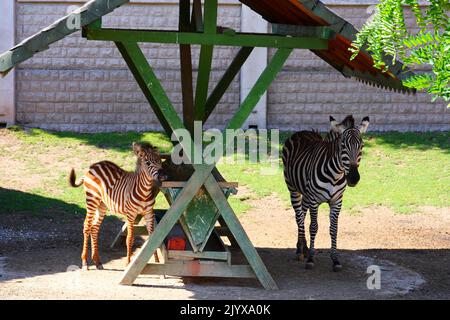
(197, 19)
(205, 60)
(186, 67)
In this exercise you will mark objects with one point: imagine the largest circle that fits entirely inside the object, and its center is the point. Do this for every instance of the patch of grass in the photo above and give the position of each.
(116, 141)
(402, 171)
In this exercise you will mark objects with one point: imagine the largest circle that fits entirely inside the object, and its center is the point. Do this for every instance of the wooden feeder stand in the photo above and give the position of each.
(201, 201)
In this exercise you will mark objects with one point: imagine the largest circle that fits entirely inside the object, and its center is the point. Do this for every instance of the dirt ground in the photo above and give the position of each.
(39, 258)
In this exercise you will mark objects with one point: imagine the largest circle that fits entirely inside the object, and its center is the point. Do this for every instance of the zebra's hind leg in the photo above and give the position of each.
(86, 233)
(300, 213)
(91, 207)
(99, 216)
(313, 227)
(335, 209)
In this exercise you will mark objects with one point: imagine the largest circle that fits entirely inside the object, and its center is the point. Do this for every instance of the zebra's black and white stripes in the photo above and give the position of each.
(107, 186)
(316, 171)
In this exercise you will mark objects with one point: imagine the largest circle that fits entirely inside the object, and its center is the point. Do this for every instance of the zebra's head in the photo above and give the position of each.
(351, 145)
(150, 158)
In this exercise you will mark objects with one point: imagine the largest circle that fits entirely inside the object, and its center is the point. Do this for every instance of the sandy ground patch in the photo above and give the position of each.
(412, 251)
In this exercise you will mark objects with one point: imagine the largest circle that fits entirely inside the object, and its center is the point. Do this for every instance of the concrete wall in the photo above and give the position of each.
(85, 86)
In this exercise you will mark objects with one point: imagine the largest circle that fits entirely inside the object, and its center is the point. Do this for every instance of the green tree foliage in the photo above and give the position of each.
(387, 37)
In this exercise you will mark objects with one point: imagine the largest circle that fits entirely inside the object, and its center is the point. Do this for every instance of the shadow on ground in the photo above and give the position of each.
(46, 244)
(31, 223)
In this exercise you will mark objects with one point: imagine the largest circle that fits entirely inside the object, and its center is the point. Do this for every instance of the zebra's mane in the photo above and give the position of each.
(146, 145)
(331, 136)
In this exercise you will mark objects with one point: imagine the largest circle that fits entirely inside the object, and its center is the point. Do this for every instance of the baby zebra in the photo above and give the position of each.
(107, 186)
(317, 170)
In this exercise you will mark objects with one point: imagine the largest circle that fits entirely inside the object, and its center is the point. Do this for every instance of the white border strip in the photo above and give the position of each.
(7, 84)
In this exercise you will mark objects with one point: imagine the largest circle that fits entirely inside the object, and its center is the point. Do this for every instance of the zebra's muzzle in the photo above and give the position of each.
(162, 176)
(353, 176)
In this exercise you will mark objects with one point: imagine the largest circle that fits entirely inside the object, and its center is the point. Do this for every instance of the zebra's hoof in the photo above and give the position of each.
(99, 266)
(309, 265)
(301, 257)
(337, 267)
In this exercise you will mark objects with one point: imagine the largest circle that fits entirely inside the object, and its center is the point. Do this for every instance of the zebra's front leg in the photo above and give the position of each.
(335, 209)
(150, 225)
(300, 208)
(313, 227)
(130, 238)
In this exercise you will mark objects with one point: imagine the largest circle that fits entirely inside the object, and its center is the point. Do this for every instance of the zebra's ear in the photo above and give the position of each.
(137, 148)
(335, 126)
(364, 125)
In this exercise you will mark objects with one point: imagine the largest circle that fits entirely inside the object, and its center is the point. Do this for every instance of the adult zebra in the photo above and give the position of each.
(317, 170)
(108, 186)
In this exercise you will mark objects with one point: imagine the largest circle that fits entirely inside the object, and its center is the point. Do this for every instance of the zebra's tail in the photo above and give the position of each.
(72, 178)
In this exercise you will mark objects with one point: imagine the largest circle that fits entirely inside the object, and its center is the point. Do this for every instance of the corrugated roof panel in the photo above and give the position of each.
(315, 13)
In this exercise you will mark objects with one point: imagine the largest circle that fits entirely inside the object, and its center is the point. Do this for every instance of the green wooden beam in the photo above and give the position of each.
(134, 58)
(303, 31)
(153, 90)
(198, 269)
(205, 61)
(226, 80)
(58, 30)
(237, 40)
(213, 255)
(186, 67)
(260, 87)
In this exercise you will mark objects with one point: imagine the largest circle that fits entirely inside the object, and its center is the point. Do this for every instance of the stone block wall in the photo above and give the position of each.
(85, 86)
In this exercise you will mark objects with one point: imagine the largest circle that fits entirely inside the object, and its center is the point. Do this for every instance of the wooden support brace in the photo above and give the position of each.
(188, 268)
(260, 87)
(205, 60)
(239, 39)
(226, 80)
(133, 56)
(240, 235)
